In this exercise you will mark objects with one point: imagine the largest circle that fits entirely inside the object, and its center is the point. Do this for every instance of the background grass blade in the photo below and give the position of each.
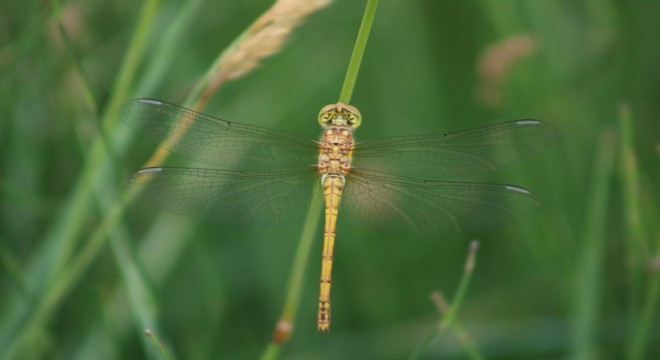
(589, 284)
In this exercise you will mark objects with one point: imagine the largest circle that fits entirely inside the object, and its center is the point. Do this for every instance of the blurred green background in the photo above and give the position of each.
(578, 280)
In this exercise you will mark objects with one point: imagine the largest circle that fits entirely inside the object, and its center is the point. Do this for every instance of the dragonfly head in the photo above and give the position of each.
(340, 114)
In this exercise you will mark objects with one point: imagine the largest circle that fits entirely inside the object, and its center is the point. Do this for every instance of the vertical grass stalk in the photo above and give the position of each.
(158, 345)
(448, 312)
(358, 51)
(634, 240)
(589, 274)
(87, 89)
(284, 326)
(637, 242)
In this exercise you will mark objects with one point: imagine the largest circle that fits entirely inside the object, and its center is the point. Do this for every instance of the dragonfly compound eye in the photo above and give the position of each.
(353, 115)
(326, 114)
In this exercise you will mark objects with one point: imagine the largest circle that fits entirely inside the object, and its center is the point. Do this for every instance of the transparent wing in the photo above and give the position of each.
(207, 139)
(389, 203)
(255, 198)
(458, 154)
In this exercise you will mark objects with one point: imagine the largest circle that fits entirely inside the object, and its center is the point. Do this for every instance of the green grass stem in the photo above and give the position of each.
(161, 350)
(637, 242)
(358, 52)
(448, 313)
(285, 324)
(168, 49)
(588, 291)
(302, 255)
(640, 336)
(142, 299)
(87, 88)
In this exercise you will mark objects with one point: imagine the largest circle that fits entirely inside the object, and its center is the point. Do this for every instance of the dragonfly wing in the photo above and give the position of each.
(207, 139)
(390, 203)
(255, 198)
(458, 154)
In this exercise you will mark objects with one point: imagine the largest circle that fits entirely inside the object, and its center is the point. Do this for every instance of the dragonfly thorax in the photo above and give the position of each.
(336, 147)
(340, 114)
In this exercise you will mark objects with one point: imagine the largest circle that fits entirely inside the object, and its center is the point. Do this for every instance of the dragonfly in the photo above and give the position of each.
(266, 177)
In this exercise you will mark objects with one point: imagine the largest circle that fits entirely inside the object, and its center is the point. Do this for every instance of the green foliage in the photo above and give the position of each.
(81, 278)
